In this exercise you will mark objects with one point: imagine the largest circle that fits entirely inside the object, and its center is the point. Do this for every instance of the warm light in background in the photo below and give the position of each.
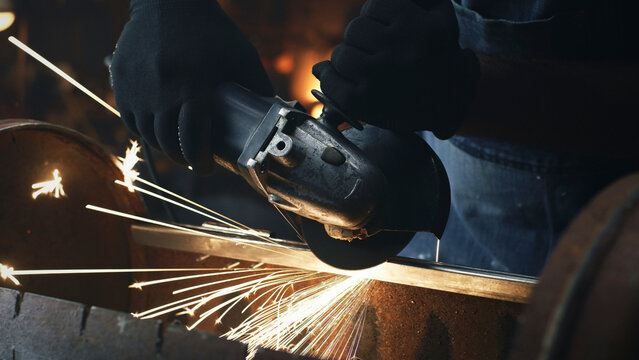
(316, 110)
(284, 63)
(6, 14)
(303, 80)
(6, 19)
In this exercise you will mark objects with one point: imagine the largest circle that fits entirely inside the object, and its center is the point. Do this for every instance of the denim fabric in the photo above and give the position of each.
(509, 203)
(551, 29)
(499, 36)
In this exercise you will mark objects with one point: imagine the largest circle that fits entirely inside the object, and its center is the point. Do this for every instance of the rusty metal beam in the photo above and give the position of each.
(406, 271)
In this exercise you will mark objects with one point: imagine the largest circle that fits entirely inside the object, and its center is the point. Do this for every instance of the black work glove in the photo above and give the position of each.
(400, 67)
(166, 64)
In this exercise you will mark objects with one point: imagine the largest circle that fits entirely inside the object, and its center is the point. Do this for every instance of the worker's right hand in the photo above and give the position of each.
(400, 67)
(167, 62)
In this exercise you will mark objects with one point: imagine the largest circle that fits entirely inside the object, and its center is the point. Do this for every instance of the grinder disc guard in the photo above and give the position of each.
(417, 198)
(356, 254)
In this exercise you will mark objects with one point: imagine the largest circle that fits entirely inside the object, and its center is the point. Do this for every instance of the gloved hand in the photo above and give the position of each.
(400, 67)
(167, 62)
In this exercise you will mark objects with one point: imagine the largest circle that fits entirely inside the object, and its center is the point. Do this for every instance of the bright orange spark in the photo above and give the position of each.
(127, 164)
(50, 186)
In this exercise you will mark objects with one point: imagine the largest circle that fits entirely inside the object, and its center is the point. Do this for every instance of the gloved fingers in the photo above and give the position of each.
(166, 133)
(351, 63)
(254, 77)
(440, 26)
(430, 4)
(367, 34)
(337, 88)
(252, 74)
(144, 124)
(194, 124)
(388, 11)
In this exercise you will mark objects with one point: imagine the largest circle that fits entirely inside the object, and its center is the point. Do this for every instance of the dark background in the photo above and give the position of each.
(77, 36)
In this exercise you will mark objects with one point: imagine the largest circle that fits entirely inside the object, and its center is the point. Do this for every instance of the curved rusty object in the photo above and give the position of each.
(60, 233)
(586, 303)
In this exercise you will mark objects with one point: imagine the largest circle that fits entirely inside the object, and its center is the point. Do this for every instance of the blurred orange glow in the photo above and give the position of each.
(303, 80)
(316, 110)
(285, 63)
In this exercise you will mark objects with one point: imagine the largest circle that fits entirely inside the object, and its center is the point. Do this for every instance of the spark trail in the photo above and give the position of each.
(300, 311)
(53, 187)
(8, 272)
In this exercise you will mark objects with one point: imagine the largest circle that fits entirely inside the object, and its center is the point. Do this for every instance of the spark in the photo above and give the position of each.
(146, 220)
(61, 73)
(226, 220)
(8, 272)
(178, 227)
(127, 164)
(320, 314)
(170, 201)
(324, 319)
(50, 186)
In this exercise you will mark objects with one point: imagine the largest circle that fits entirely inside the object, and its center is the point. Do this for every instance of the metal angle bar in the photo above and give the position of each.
(400, 270)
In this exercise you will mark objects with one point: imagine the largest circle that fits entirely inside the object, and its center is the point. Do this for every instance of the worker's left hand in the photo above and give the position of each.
(400, 67)
(169, 59)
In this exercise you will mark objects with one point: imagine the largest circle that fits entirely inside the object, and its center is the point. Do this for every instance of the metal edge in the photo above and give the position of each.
(406, 271)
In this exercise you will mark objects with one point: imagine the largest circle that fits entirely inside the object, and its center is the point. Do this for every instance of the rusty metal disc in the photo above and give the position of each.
(585, 306)
(50, 233)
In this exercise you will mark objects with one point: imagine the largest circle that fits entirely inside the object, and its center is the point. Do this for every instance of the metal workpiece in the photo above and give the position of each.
(457, 279)
(49, 232)
(585, 306)
(402, 322)
(408, 322)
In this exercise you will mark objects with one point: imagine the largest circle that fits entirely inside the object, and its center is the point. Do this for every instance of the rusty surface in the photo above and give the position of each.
(585, 305)
(61, 233)
(400, 270)
(403, 322)
(414, 323)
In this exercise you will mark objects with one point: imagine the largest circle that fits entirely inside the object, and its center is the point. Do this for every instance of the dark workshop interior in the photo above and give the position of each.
(464, 186)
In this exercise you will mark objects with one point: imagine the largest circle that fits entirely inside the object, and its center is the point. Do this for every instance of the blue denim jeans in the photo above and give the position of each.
(509, 203)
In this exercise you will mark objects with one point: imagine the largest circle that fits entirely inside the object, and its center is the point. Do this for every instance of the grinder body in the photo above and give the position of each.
(360, 184)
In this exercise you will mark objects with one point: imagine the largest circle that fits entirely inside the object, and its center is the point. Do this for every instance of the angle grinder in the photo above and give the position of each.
(361, 194)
